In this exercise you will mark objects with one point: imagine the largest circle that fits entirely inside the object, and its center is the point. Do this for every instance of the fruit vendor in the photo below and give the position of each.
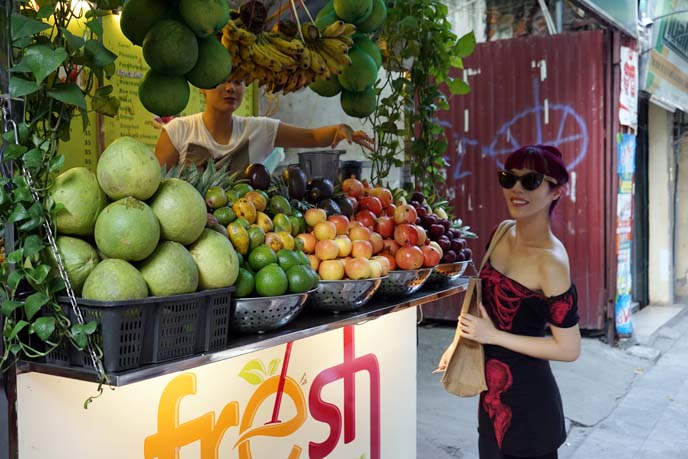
(218, 133)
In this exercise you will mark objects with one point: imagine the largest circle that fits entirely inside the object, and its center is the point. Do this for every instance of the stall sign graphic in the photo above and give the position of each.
(173, 434)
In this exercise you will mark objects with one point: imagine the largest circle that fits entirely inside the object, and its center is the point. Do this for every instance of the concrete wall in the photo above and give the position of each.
(681, 244)
(660, 206)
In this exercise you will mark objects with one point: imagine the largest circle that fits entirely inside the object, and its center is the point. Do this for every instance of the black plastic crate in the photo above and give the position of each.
(120, 333)
(184, 325)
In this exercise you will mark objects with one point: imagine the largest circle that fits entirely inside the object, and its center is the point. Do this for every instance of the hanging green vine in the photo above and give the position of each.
(419, 52)
(59, 68)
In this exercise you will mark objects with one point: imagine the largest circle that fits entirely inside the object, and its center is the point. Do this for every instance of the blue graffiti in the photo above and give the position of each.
(565, 112)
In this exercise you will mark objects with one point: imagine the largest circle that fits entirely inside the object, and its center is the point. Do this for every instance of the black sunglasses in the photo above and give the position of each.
(530, 181)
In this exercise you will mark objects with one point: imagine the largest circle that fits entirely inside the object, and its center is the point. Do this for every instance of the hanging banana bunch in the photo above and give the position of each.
(282, 60)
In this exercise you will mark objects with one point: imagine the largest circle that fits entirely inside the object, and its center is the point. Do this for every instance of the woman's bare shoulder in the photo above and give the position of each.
(555, 270)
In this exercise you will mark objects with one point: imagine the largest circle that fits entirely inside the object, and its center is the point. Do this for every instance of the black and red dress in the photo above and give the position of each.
(521, 412)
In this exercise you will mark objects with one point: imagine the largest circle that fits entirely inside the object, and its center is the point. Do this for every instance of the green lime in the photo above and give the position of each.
(314, 277)
(243, 223)
(232, 197)
(241, 189)
(300, 280)
(224, 215)
(256, 236)
(245, 284)
(303, 258)
(271, 281)
(240, 257)
(287, 258)
(261, 256)
(279, 205)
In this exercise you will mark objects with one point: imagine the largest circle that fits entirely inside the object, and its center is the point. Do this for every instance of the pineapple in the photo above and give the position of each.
(202, 179)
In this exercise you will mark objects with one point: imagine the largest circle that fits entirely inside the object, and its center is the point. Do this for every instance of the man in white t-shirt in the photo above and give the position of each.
(218, 133)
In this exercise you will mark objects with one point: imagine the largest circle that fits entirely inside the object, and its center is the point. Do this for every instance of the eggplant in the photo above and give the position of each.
(296, 181)
(258, 176)
(330, 207)
(345, 205)
(320, 188)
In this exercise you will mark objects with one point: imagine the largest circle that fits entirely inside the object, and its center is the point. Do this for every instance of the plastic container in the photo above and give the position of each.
(321, 163)
(151, 330)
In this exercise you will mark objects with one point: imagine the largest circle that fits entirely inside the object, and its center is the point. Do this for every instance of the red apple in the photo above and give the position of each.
(331, 270)
(357, 268)
(377, 242)
(375, 268)
(325, 230)
(314, 216)
(384, 261)
(360, 234)
(362, 249)
(344, 244)
(309, 242)
(409, 257)
(315, 262)
(326, 249)
(341, 222)
(405, 214)
(390, 259)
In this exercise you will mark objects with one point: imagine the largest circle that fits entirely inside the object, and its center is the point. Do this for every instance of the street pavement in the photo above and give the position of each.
(619, 403)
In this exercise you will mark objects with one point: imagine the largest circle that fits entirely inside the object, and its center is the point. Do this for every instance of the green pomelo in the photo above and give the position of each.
(127, 229)
(128, 167)
(78, 191)
(138, 16)
(375, 20)
(353, 11)
(326, 88)
(180, 208)
(170, 47)
(213, 66)
(164, 95)
(170, 270)
(79, 258)
(361, 73)
(205, 17)
(359, 104)
(362, 41)
(217, 262)
(114, 280)
(326, 16)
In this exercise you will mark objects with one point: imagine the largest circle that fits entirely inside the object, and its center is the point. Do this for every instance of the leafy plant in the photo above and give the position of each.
(58, 67)
(419, 52)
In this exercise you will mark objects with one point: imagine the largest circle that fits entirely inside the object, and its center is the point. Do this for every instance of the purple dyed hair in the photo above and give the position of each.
(545, 159)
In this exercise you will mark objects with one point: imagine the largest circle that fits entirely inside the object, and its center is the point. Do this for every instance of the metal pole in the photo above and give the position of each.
(559, 15)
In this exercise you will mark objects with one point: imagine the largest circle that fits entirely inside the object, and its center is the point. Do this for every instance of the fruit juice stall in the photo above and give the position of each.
(198, 311)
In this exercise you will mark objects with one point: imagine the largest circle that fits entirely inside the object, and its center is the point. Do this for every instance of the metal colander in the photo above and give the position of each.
(262, 314)
(343, 295)
(404, 282)
(447, 272)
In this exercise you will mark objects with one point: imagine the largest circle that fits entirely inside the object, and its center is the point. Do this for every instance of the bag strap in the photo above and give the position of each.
(501, 230)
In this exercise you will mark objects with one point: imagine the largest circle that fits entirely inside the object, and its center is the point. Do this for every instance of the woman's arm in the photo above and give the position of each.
(166, 153)
(289, 136)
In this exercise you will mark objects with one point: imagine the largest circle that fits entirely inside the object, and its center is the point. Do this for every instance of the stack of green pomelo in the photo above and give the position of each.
(355, 83)
(180, 46)
(124, 233)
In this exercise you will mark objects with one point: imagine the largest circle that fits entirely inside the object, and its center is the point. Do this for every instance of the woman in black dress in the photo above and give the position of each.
(526, 286)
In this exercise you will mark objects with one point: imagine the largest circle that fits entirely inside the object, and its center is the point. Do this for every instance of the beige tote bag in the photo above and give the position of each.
(465, 373)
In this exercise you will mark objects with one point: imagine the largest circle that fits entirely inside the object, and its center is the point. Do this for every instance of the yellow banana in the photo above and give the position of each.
(349, 29)
(290, 47)
(245, 52)
(342, 59)
(269, 50)
(265, 60)
(334, 66)
(305, 59)
(334, 46)
(318, 64)
(347, 40)
(333, 30)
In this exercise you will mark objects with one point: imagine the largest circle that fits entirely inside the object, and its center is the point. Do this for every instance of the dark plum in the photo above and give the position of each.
(418, 196)
(467, 254)
(421, 212)
(414, 204)
(450, 256)
(456, 245)
(436, 231)
(446, 223)
(444, 243)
